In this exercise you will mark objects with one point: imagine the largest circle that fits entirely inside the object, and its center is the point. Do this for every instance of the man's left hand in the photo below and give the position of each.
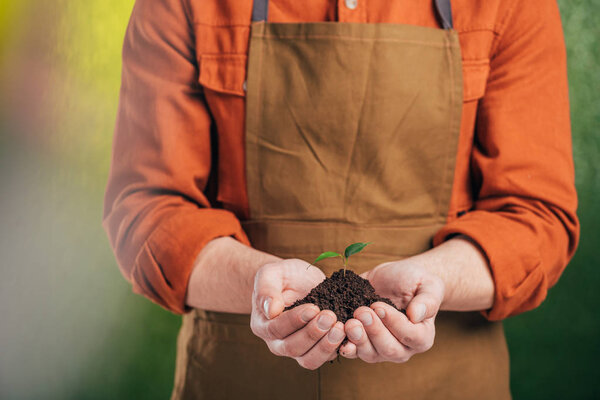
(381, 332)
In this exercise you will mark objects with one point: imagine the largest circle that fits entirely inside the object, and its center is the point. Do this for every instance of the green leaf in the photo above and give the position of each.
(327, 254)
(355, 248)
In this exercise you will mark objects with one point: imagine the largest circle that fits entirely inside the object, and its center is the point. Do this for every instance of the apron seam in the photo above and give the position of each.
(451, 123)
(352, 38)
(437, 219)
(319, 384)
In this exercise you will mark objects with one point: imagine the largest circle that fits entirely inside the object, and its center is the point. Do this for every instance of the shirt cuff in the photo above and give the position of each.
(163, 266)
(513, 257)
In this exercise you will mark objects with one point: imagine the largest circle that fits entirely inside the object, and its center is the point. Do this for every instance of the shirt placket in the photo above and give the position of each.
(352, 11)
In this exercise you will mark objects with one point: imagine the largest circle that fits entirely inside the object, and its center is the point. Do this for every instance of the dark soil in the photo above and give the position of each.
(342, 295)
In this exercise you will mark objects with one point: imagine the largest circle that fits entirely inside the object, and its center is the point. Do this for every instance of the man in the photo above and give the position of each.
(438, 131)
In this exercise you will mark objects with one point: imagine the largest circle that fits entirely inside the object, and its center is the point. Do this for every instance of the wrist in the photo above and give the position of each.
(464, 270)
(223, 276)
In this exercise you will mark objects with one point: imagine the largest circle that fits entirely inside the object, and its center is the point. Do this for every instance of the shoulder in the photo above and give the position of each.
(484, 25)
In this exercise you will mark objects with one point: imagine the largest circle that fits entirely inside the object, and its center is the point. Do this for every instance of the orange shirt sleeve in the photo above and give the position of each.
(524, 215)
(156, 213)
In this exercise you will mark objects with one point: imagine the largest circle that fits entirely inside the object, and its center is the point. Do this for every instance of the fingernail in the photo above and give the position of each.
(380, 313)
(266, 305)
(365, 318)
(343, 350)
(335, 335)
(325, 321)
(309, 314)
(420, 310)
(355, 333)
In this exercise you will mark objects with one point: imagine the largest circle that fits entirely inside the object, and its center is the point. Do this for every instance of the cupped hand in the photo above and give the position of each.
(304, 333)
(381, 332)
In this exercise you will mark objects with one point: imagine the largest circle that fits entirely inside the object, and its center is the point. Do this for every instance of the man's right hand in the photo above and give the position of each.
(304, 333)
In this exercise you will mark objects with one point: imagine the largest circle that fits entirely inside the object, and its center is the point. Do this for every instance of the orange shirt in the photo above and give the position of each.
(177, 177)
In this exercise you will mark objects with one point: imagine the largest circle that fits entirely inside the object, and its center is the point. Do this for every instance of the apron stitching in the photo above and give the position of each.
(433, 221)
(258, 94)
(319, 384)
(351, 38)
(450, 169)
(452, 120)
(451, 126)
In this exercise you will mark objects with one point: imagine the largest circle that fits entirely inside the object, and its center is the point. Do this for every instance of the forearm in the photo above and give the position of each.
(469, 285)
(223, 276)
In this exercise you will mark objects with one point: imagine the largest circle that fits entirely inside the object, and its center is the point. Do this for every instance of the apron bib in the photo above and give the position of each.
(351, 135)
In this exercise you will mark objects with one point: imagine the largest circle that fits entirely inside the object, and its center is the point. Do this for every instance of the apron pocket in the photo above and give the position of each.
(224, 73)
(475, 74)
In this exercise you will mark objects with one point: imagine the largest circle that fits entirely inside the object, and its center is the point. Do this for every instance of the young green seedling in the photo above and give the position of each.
(350, 250)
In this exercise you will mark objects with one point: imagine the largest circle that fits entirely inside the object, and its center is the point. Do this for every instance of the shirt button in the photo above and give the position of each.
(351, 4)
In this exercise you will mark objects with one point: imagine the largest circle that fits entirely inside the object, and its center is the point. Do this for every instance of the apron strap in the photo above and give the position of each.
(260, 11)
(444, 11)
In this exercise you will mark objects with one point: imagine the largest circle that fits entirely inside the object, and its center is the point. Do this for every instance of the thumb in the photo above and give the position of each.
(426, 302)
(273, 306)
(268, 289)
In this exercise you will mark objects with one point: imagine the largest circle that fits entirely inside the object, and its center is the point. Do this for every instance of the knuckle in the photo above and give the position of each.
(390, 352)
(259, 279)
(288, 350)
(253, 326)
(285, 349)
(314, 333)
(402, 359)
(326, 347)
(408, 341)
(282, 348)
(427, 344)
(307, 364)
(294, 352)
(368, 357)
(258, 328)
(268, 267)
(275, 348)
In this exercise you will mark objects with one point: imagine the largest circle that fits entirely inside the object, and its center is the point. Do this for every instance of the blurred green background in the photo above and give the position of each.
(70, 328)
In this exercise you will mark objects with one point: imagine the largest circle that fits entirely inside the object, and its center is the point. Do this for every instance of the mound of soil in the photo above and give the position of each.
(342, 295)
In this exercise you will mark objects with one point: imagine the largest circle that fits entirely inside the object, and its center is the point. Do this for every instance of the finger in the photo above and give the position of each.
(426, 302)
(268, 288)
(357, 335)
(387, 346)
(348, 350)
(290, 321)
(324, 350)
(367, 274)
(416, 337)
(301, 341)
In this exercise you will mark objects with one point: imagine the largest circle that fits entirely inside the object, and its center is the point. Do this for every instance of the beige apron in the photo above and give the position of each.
(351, 135)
